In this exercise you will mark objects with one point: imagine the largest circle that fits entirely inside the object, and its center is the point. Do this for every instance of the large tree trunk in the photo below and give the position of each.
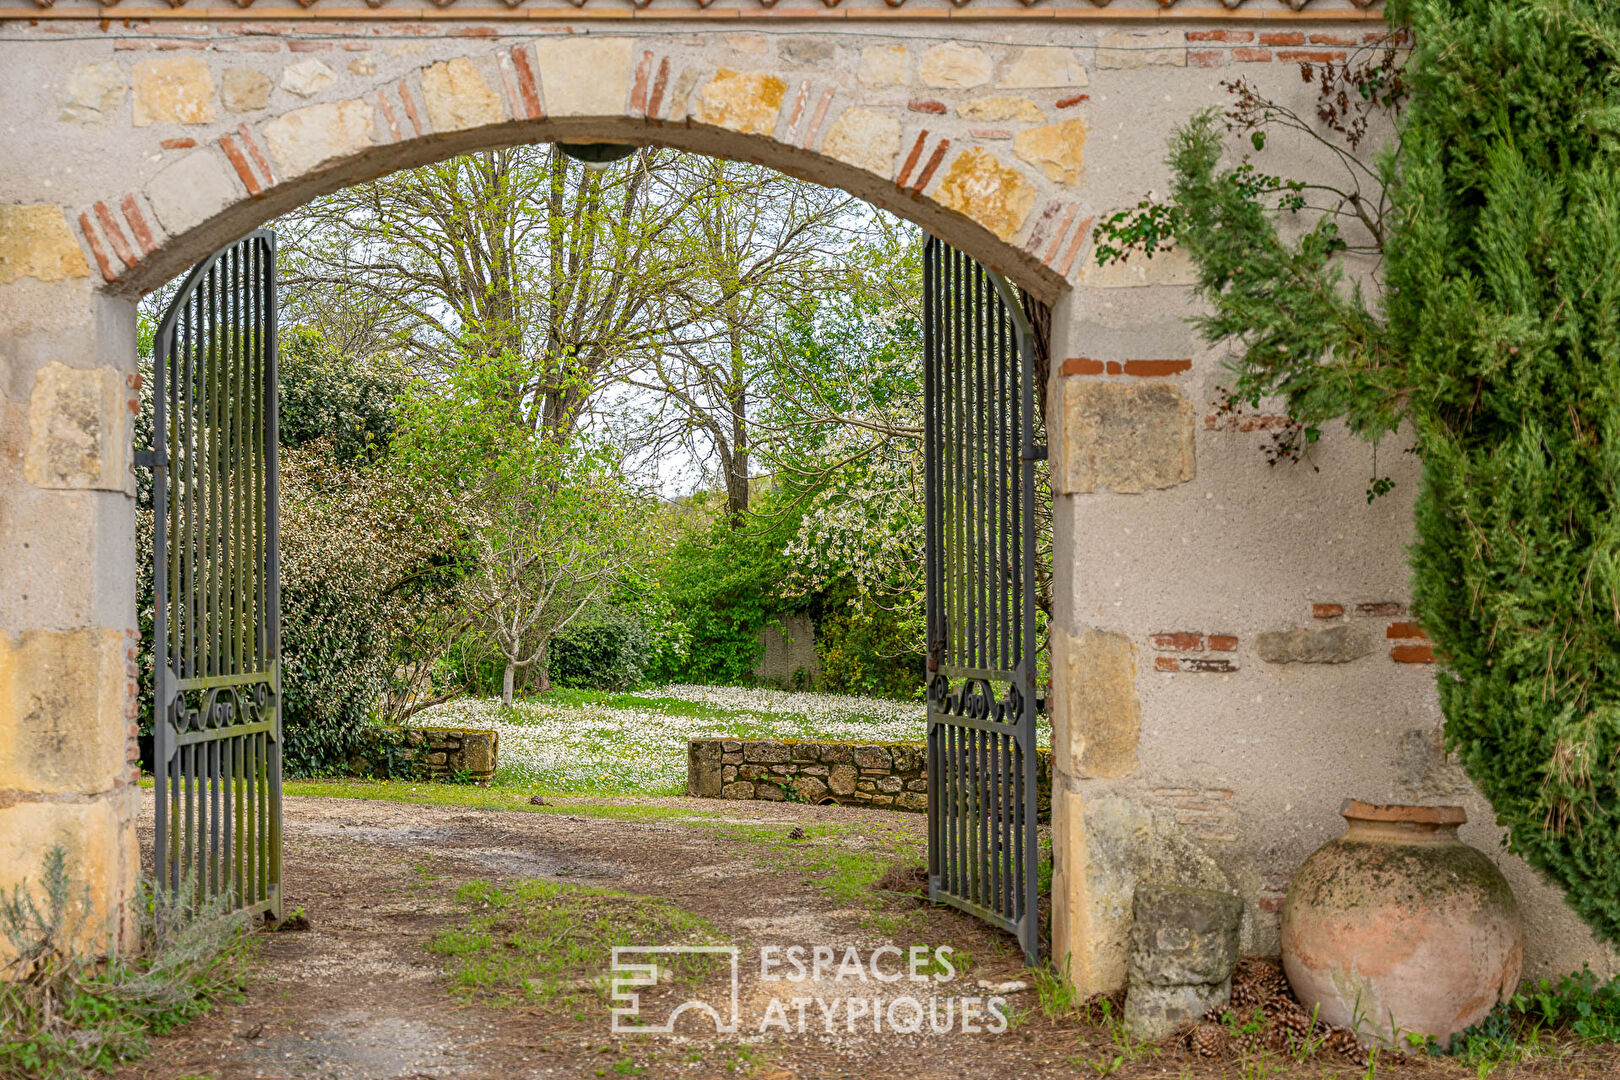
(506, 683)
(737, 403)
(542, 668)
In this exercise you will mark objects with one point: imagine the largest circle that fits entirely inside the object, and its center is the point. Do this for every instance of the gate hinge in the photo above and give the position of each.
(1034, 452)
(151, 459)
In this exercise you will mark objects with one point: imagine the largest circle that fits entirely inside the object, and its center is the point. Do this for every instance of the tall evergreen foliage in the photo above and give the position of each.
(1499, 341)
(1505, 297)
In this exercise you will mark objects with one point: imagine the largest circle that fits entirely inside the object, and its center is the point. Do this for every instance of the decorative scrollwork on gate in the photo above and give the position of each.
(975, 698)
(218, 709)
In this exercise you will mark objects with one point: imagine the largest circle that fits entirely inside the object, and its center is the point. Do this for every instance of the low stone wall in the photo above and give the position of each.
(892, 775)
(427, 754)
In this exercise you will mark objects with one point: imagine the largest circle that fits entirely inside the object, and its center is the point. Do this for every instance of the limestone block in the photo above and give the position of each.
(866, 139)
(913, 802)
(872, 757)
(1125, 844)
(102, 862)
(35, 241)
(77, 429)
(305, 139)
(62, 723)
(1124, 437)
(739, 790)
(1157, 1012)
(746, 102)
(1071, 907)
(478, 751)
(809, 789)
(1168, 267)
(307, 78)
(884, 65)
(841, 781)
(1057, 149)
(459, 97)
(956, 67)
(1307, 645)
(704, 768)
(193, 189)
(999, 108)
(92, 92)
(589, 77)
(244, 89)
(891, 785)
(173, 90)
(747, 44)
(1183, 947)
(833, 753)
(766, 752)
(983, 189)
(1096, 716)
(1181, 935)
(810, 51)
(1044, 67)
(770, 793)
(1125, 49)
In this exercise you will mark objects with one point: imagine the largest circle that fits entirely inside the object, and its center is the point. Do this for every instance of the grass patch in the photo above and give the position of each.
(67, 1014)
(845, 872)
(547, 943)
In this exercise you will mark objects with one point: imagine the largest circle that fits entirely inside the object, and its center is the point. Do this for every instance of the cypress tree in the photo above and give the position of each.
(1498, 339)
(1504, 296)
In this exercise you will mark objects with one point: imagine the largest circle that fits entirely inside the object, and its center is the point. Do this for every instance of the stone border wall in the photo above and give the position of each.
(394, 753)
(893, 775)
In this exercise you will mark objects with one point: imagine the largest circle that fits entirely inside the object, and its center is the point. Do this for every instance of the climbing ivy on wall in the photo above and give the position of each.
(1499, 341)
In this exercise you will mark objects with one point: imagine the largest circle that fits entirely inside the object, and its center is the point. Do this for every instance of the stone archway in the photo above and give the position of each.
(137, 139)
(211, 142)
(1004, 194)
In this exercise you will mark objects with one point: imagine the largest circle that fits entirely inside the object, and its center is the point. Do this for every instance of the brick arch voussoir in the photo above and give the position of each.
(973, 195)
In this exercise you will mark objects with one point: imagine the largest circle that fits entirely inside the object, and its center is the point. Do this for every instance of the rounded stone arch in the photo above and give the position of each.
(1010, 204)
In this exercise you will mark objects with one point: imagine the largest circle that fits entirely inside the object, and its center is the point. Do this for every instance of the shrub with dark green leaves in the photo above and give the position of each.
(609, 652)
(724, 586)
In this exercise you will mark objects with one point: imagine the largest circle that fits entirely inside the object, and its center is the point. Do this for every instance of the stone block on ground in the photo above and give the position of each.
(1183, 949)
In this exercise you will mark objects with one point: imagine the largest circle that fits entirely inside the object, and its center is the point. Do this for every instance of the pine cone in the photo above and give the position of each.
(1344, 1041)
(1207, 1040)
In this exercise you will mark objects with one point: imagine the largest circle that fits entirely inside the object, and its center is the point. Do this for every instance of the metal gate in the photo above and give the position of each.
(216, 653)
(980, 453)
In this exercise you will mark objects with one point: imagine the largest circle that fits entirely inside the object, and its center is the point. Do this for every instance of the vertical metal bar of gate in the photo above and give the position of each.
(980, 452)
(217, 577)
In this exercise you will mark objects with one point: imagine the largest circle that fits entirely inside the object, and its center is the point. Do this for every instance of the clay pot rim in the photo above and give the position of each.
(1356, 810)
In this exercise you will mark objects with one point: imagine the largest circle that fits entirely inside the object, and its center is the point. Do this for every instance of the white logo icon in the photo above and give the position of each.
(636, 965)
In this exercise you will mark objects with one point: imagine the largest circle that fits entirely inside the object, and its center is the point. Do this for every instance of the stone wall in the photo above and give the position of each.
(428, 754)
(787, 654)
(891, 775)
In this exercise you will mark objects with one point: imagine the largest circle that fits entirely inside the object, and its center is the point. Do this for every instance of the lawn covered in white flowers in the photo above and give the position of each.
(635, 744)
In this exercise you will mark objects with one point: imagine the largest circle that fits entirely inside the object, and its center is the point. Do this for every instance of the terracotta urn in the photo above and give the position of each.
(1397, 927)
